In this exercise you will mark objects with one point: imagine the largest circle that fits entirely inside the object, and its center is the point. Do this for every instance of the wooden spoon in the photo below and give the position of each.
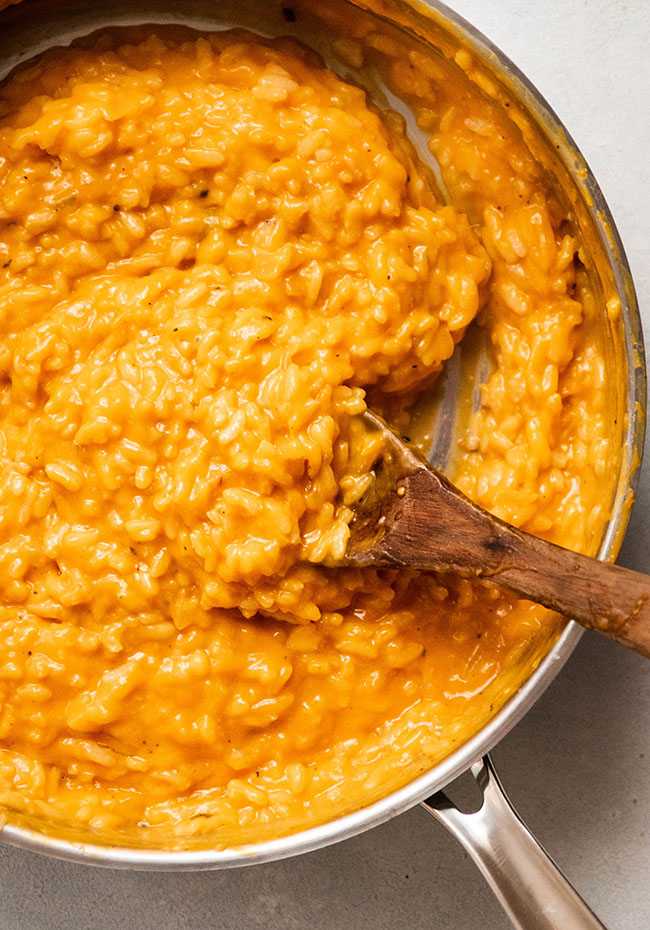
(413, 517)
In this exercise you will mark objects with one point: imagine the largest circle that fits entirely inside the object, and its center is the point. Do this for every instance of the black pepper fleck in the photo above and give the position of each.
(289, 14)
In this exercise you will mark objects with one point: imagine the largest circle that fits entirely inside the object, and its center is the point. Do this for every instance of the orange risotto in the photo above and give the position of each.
(211, 249)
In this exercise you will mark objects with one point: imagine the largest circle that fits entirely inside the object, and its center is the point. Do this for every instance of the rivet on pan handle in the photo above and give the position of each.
(531, 889)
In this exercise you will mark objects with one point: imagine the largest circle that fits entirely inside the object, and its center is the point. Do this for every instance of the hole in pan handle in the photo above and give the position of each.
(531, 889)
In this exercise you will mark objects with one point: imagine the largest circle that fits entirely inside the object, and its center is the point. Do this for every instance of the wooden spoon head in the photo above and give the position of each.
(374, 512)
(413, 517)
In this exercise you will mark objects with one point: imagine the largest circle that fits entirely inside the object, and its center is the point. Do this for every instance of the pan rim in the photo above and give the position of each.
(415, 791)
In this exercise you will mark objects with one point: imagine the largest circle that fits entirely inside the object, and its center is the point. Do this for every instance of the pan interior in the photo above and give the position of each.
(442, 417)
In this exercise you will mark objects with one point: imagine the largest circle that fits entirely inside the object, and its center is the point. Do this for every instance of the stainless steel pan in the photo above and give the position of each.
(533, 892)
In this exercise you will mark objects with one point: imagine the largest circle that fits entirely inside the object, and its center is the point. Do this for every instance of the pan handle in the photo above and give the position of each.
(531, 889)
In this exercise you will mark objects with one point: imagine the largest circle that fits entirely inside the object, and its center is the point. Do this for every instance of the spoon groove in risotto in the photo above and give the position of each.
(212, 250)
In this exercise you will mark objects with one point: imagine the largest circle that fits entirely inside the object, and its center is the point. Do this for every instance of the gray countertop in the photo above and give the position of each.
(578, 766)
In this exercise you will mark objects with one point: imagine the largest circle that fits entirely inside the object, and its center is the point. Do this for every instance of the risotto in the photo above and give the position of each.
(214, 252)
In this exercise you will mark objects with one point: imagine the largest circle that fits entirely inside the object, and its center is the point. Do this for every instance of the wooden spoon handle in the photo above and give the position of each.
(434, 526)
(600, 596)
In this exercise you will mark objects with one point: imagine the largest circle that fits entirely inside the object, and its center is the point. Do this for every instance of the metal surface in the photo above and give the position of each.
(526, 696)
(530, 887)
